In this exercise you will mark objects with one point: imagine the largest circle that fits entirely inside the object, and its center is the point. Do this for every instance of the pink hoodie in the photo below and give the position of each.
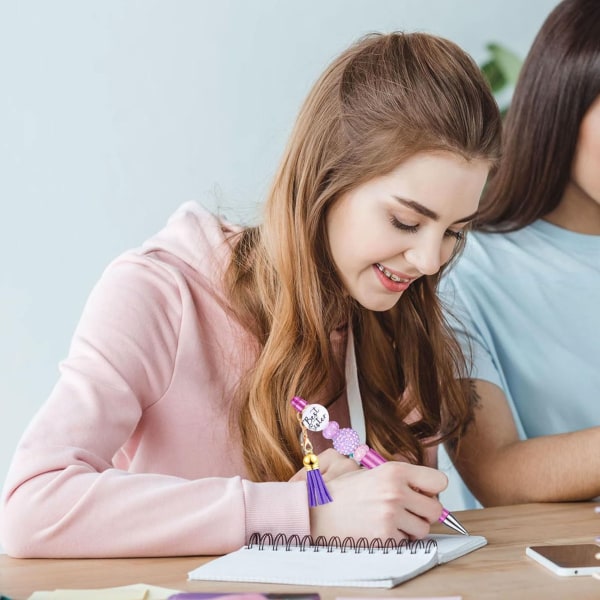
(132, 455)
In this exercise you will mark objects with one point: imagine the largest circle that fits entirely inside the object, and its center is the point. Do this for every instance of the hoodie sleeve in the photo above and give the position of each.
(64, 497)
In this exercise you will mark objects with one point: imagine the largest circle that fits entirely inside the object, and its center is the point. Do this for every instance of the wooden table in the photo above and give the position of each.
(499, 570)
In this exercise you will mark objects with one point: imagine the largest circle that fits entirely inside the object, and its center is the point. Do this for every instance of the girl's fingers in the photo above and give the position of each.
(332, 464)
(425, 479)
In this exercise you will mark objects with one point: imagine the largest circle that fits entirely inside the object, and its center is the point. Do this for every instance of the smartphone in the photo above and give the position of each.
(568, 559)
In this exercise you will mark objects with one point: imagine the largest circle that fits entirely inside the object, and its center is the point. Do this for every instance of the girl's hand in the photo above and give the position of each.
(332, 464)
(394, 500)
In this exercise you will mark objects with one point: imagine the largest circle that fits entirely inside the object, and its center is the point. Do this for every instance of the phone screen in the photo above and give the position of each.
(571, 556)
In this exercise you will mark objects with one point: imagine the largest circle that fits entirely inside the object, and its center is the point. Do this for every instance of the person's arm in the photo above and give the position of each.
(499, 468)
(64, 497)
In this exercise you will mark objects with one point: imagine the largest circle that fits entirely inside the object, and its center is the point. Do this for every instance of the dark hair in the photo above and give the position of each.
(559, 82)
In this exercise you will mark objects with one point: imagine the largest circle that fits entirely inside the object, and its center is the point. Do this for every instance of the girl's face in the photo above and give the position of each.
(579, 208)
(585, 170)
(393, 229)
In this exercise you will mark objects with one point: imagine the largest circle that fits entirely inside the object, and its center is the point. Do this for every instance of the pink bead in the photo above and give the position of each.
(298, 403)
(331, 430)
(360, 452)
(346, 441)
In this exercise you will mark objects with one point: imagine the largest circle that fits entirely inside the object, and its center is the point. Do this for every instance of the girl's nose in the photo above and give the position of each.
(426, 255)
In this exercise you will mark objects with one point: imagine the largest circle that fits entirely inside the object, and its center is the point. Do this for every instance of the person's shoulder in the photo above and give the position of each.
(490, 258)
(485, 249)
(192, 230)
(493, 241)
(483, 258)
(194, 240)
(194, 246)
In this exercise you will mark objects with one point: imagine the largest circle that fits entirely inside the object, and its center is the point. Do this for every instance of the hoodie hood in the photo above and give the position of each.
(197, 237)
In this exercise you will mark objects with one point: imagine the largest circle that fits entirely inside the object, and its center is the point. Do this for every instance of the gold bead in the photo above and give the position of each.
(311, 462)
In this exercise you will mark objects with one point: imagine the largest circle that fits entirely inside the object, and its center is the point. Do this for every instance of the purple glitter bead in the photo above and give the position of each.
(331, 430)
(346, 441)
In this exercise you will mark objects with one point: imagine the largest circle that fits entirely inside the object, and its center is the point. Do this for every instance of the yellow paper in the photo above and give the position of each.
(137, 591)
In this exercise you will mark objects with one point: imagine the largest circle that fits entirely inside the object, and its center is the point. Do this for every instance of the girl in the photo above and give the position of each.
(170, 429)
(527, 290)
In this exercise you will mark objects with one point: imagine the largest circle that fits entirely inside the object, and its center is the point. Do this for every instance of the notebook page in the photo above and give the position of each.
(453, 546)
(322, 568)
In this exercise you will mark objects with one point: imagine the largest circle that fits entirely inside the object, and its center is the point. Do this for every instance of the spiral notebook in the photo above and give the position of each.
(335, 562)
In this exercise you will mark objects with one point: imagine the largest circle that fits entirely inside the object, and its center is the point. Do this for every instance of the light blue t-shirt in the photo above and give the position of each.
(528, 303)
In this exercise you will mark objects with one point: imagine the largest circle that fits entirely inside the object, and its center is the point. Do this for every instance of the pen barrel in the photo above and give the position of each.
(372, 459)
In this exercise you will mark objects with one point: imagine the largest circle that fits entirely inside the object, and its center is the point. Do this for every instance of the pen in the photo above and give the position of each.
(347, 442)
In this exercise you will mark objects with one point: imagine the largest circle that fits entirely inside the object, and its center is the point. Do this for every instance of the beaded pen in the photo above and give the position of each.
(315, 417)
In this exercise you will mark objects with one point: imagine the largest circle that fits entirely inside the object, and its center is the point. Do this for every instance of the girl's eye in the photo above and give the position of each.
(457, 235)
(403, 226)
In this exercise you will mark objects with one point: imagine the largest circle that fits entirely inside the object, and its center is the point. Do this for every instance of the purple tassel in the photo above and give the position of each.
(317, 491)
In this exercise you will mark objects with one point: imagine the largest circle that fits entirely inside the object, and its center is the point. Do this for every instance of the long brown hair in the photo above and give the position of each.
(559, 82)
(386, 98)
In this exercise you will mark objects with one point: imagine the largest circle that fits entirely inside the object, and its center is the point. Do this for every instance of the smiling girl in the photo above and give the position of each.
(170, 429)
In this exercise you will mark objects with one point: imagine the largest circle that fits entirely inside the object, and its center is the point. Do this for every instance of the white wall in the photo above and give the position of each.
(113, 112)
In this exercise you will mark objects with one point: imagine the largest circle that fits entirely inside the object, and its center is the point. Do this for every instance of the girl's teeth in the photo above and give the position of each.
(389, 275)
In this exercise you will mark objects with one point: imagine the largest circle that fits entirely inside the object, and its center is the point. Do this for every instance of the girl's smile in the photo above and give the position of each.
(393, 281)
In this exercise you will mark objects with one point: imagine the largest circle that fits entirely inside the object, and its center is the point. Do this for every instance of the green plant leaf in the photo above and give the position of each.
(501, 71)
(494, 75)
(506, 61)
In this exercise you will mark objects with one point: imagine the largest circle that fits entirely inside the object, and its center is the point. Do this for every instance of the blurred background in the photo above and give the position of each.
(114, 112)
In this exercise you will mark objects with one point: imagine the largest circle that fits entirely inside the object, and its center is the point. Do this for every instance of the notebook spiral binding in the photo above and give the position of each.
(267, 541)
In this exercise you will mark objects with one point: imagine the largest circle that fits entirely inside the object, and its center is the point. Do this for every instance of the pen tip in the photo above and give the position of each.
(451, 521)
